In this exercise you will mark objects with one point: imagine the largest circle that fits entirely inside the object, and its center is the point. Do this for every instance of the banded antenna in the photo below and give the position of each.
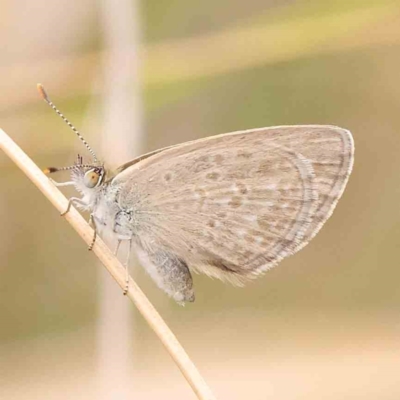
(44, 96)
(51, 170)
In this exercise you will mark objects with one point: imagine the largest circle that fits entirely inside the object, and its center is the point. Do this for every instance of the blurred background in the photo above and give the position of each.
(136, 76)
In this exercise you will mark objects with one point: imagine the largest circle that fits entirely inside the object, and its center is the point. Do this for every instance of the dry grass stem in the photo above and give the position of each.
(113, 266)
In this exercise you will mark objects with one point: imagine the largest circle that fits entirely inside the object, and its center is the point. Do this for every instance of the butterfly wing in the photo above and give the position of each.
(236, 204)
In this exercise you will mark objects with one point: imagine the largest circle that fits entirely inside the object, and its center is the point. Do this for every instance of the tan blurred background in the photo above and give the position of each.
(325, 323)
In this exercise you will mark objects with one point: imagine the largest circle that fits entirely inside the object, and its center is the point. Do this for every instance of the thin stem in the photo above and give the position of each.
(113, 266)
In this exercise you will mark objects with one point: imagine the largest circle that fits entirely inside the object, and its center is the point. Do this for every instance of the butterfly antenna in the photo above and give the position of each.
(51, 170)
(44, 96)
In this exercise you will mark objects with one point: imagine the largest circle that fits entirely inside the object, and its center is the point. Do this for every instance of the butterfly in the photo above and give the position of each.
(230, 206)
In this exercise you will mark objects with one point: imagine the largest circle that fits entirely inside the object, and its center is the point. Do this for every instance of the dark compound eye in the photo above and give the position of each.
(92, 178)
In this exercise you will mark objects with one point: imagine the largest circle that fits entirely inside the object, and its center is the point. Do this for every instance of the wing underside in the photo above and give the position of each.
(234, 205)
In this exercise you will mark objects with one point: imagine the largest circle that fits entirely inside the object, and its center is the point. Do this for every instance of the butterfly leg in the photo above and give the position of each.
(71, 201)
(92, 223)
(170, 273)
(60, 184)
(126, 264)
(123, 231)
(117, 247)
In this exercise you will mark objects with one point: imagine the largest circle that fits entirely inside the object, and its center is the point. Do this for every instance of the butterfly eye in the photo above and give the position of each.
(92, 178)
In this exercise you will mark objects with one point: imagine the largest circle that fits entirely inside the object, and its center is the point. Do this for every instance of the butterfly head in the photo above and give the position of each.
(94, 177)
(85, 177)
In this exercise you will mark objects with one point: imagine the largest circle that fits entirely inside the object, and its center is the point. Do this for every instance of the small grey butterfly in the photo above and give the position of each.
(231, 206)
